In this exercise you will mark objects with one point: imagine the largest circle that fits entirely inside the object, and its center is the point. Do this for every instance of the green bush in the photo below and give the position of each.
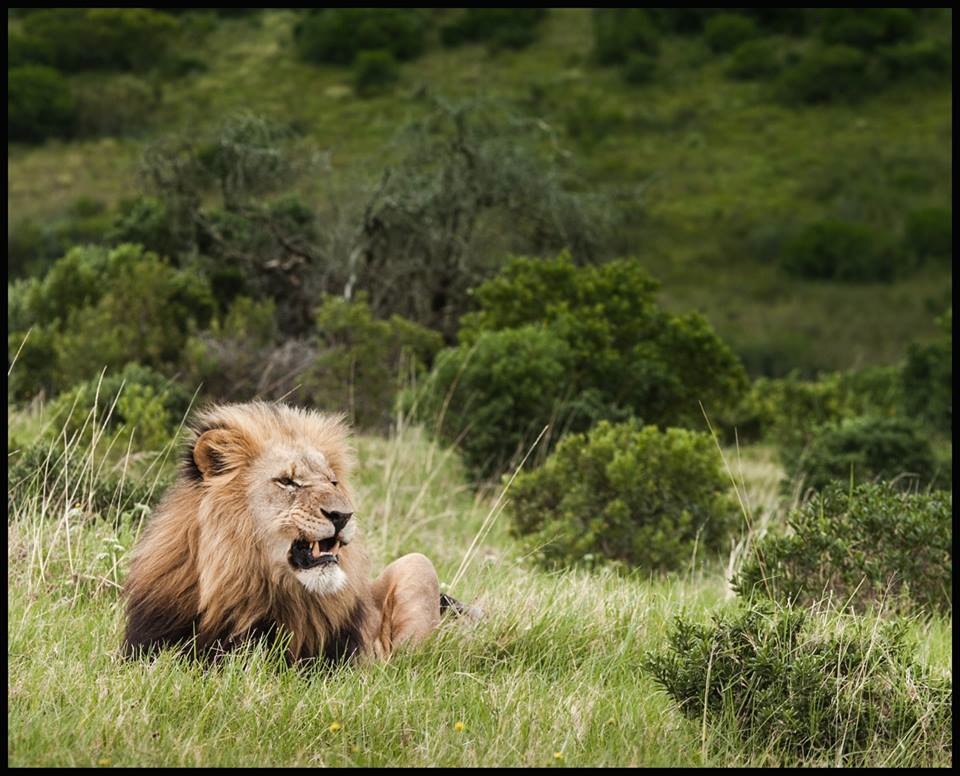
(146, 221)
(337, 35)
(39, 104)
(929, 234)
(922, 60)
(374, 71)
(725, 31)
(499, 27)
(619, 32)
(861, 449)
(27, 50)
(362, 362)
(761, 58)
(868, 28)
(928, 380)
(869, 546)
(828, 74)
(639, 68)
(839, 250)
(494, 395)
(786, 680)
(102, 38)
(626, 493)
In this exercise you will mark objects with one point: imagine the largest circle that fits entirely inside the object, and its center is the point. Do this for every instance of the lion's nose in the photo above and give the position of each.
(339, 519)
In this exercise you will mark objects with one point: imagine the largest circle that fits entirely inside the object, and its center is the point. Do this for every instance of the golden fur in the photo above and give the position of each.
(212, 562)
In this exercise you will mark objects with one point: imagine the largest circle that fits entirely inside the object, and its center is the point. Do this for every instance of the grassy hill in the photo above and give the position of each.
(715, 174)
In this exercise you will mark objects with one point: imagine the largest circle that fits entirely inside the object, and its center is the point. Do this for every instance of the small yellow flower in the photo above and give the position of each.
(458, 726)
(558, 755)
(104, 762)
(334, 727)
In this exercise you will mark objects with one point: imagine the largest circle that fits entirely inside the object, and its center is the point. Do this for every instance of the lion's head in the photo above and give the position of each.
(258, 533)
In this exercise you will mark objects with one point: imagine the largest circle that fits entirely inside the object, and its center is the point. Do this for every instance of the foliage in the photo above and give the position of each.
(839, 250)
(496, 394)
(760, 58)
(639, 68)
(626, 493)
(862, 547)
(861, 449)
(32, 247)
(146, 221)
(499, 27)
(921, 60)
(337, 35)
(784, 679)
(928, 234)
(39, 104)
(619, 32)
(27, 50)
(374, 71)
(102, 38)
(928, 379)
(362, 362)
(835, 73)
(868, 28)
(726, 31)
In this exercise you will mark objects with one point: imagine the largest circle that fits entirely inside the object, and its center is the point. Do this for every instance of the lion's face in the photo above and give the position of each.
(303, 514)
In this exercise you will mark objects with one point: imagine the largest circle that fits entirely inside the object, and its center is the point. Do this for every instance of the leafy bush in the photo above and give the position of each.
(922, 60)
(827, 74)
(759, 58)
(783, 679)
(39, 104)
(619, 32)
(634, 495)
(868, 28)
(928, 379)
(500, 27)
(496, 394)
(27, 50)
(862, 449)
(929, 234)
(725, 31)
(839, 250)
(33, 247)
(362, 362)
(146, 221)
(374, 71)
(639, 68)
(863, 547)
(337, 35)
(102, 38)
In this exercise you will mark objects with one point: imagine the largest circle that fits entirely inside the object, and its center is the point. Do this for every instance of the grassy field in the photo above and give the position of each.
(716, 173)
(550, 677)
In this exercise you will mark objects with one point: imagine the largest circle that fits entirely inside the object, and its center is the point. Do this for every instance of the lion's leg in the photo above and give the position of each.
(407, 593)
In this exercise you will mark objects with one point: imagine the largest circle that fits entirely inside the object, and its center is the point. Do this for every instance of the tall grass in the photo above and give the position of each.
(550, 676)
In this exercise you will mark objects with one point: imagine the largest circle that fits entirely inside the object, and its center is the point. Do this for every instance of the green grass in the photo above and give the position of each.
(716, 172)
(551, 676)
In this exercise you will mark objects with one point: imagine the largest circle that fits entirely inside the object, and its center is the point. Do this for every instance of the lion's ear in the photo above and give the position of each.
(217, 451)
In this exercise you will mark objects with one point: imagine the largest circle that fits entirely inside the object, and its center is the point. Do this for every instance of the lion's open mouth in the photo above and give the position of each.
(307, 554)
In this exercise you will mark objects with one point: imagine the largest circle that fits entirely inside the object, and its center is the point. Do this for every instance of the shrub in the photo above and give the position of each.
(922, 60)
(619, 32)
(839, 250)
(496, 394)
(27, 50)
(861, 547)
(929, 234)
(337, 35)
(39, 104)
(374, 71)
(725, 31)
(639, 68)
(500, 27)
(928, 380)
(827, 74)
(102, 38)
(362, 362)
(626, 493)
(868, 28)
(861, 449)
(146, 221)
(755, 59)
(791, 681)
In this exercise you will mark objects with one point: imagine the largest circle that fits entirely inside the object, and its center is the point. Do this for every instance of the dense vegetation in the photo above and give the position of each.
(594, 260)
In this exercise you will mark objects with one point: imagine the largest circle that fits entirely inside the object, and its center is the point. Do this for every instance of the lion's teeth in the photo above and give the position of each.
(315, 549)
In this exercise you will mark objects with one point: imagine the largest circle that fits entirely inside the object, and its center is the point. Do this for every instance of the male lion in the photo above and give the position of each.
(257, 537)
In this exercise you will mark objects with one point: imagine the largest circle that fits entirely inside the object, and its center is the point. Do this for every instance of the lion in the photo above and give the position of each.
(257, 538)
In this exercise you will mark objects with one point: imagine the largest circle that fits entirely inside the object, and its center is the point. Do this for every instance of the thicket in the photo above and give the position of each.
(374, 72)
(498, 27)
(628, 494)
(927, 379)
(869, 546)
(612, 353)
(786, 680)
(336, 35)
(39, 104)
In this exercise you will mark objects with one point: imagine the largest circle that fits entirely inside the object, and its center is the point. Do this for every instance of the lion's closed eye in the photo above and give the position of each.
(287, 482)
